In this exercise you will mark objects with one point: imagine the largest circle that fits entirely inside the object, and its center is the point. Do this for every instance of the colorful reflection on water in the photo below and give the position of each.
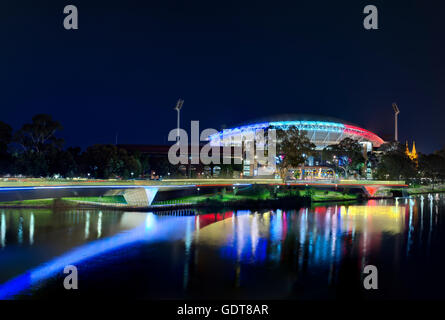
(308, 253)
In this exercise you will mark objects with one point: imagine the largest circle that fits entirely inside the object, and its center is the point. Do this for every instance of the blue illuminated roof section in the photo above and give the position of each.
(309, 125)
(322, 133)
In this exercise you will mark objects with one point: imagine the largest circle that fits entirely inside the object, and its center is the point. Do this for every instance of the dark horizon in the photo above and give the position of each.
(127, 64)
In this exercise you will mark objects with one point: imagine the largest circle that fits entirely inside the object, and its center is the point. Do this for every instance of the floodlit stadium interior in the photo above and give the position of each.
(321, 131)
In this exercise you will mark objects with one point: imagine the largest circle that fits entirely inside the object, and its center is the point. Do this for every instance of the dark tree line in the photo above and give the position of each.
(347, 155)
(393, 163)
(36, 150)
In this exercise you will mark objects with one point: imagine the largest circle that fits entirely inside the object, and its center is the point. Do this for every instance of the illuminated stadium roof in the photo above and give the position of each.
(322, 131)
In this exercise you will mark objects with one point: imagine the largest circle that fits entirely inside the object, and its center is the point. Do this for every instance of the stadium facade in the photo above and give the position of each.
(322, 131)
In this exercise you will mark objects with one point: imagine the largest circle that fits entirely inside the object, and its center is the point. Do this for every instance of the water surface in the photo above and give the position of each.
(309, 253)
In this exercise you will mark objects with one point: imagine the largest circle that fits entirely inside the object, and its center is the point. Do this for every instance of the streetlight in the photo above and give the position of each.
(396, 113)
(178, 107)
(346, 174)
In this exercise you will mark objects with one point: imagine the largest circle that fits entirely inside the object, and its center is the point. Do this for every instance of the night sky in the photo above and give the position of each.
(231, 61)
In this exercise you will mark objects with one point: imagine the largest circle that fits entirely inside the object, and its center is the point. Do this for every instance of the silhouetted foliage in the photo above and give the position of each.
(432, 166)
(39, 136)
(35, 150)
(108, 161)
(394, 164)
(348, 149)
(5, 140)
(293, 148)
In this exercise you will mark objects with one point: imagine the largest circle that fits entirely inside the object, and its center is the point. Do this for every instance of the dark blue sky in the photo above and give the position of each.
(231, 61)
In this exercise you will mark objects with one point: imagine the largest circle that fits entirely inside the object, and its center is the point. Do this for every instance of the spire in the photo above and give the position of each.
(414, 152)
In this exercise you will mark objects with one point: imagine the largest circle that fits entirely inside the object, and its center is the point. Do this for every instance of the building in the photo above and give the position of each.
(412, 154)
(322, 131)
(157, 158)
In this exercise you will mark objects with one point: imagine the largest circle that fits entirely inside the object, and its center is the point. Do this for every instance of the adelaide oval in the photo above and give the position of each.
(322, 131)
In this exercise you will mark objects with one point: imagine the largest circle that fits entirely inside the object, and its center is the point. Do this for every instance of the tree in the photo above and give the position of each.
(39, 135)
(432, 166)
(394, 164)
(293, 147)
(109, 161)
(144, 160)
(349, 151)
(5, 136)
(5, 140)
(39, 145)
(61, 162)
(131, 165)
(161, 166)
(101, 161)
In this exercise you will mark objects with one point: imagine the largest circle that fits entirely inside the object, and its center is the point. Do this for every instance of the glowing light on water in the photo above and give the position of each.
(31, 229)
(188, 243)
(20, 231)
(99, 225)
(169, 229)
(150, 221)
(3, 230)
(87, 225)
(254, 234)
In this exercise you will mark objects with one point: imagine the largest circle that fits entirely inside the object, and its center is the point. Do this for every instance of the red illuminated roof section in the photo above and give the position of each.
(368, 135)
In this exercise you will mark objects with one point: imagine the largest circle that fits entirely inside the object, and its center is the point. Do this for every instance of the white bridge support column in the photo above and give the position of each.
(140, 197)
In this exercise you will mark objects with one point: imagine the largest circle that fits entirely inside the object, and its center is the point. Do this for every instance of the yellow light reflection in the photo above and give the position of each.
(373, 218)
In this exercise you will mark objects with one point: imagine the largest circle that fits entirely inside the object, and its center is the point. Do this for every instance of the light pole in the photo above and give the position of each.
(346, 174)
(396, 113)
(178, 108)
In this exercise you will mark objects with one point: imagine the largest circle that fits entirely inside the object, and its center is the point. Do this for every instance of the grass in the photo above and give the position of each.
(246, 194)
(332, 196)
(106, 199)
(426, 189)
(50, 202)
(217, 197)
(318, 195)
(28, 203)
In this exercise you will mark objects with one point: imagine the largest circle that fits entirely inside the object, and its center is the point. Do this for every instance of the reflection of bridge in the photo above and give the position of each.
(152, 229)
(143, 195)
(135, 196)
(314, 239)
(369, 188)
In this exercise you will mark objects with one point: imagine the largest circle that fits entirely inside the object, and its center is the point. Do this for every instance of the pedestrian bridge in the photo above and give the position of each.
(143, 195)
(135, 196)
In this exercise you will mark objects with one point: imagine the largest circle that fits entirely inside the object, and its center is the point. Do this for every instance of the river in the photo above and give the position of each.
(310, 253)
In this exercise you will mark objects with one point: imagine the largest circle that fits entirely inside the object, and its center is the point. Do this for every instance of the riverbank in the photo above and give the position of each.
(313, 195)
(44, 182)
(426, 189)
(257, 198)
(64, 202)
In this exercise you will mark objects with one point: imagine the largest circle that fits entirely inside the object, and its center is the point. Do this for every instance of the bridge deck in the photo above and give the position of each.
(143, 195)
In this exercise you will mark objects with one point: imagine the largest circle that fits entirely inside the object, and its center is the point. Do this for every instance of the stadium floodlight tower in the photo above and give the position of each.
(396, 114)
(178, 108)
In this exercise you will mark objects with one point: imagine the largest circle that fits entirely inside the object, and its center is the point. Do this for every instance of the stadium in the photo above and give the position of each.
(322, 131)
